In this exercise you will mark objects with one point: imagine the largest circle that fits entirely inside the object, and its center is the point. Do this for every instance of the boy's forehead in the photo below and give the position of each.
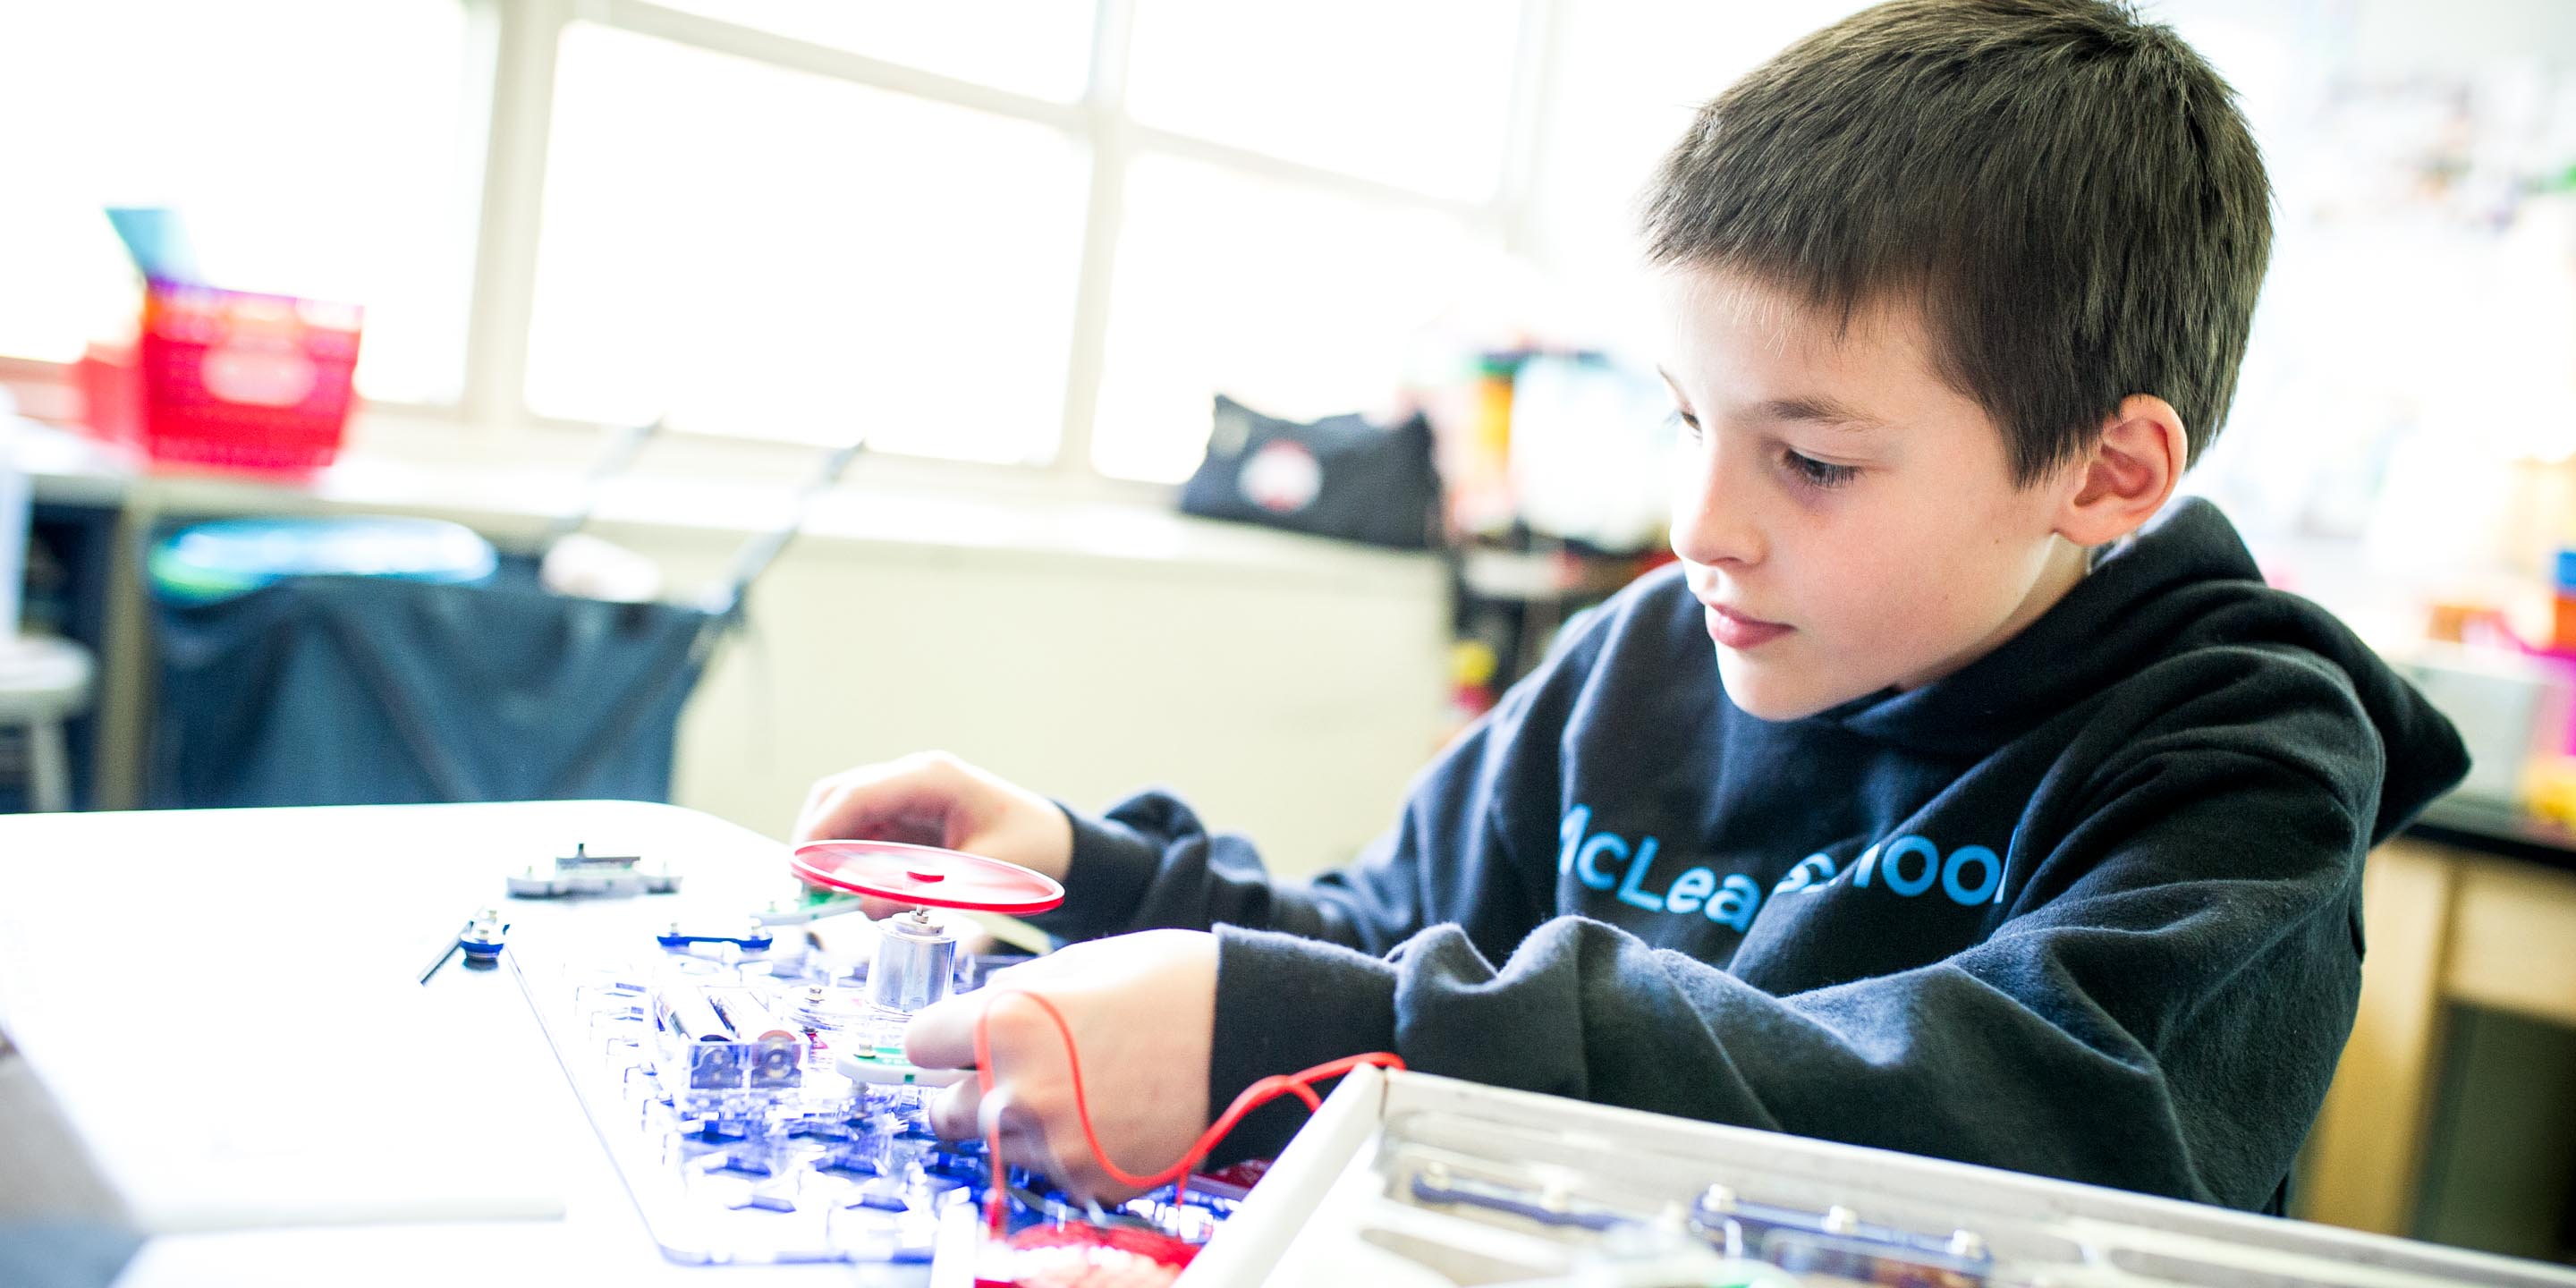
(1708, 305)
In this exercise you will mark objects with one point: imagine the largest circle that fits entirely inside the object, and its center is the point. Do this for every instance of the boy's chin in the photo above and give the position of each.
(1766, 694)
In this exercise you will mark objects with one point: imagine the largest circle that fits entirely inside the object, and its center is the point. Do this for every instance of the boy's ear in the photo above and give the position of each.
(2129, 474)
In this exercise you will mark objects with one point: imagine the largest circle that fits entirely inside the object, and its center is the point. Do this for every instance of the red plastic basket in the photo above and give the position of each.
(229, 378)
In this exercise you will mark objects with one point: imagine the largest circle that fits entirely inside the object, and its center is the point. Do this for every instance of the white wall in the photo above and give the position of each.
(1286, 687)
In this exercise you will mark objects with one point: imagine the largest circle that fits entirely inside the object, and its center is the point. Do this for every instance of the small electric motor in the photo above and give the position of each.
(915, 964)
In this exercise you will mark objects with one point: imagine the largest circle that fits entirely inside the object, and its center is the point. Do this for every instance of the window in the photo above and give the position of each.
(1295, 294)
(1415, 95)
(1294, 301)
(318, 148)
(770, 253)
(1037, 233)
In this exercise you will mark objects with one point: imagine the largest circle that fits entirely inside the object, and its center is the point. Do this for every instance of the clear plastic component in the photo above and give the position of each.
(712, 1084)
(713, 1075)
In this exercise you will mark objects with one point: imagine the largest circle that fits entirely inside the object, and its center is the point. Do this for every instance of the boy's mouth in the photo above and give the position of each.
(1739, 632)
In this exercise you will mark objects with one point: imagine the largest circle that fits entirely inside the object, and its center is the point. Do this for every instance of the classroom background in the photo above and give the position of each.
(1227, 396)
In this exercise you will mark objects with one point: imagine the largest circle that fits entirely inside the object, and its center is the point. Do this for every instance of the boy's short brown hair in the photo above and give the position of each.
(2070, 192)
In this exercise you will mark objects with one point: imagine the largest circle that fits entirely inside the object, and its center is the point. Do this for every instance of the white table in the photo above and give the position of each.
(246, 983)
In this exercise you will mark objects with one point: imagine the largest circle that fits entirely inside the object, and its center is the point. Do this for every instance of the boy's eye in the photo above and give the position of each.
(1816, 473)
(1684, 421)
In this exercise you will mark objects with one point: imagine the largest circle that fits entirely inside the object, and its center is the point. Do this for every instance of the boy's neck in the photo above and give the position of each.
(2067, 564)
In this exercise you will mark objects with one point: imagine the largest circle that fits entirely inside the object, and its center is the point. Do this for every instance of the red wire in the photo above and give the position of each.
(1260, 1093)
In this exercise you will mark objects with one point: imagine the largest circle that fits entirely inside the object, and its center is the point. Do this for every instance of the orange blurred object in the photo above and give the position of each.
(2447, 620)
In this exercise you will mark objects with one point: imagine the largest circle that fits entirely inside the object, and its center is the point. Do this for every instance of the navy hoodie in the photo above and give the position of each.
(2089, 907)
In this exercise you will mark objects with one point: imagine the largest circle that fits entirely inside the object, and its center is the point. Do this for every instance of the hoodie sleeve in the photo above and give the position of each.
(2160, 1009)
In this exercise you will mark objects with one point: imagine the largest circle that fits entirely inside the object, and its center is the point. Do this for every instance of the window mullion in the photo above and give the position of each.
(514, 176)
(1105, 107)
(688, 27)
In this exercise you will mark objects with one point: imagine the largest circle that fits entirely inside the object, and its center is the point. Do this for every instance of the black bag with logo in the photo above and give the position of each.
(1335, 477)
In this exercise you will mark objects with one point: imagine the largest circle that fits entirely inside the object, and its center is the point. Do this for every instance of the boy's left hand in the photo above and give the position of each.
(1142, 1008)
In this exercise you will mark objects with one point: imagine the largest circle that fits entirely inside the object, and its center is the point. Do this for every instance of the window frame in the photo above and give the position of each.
(509, 84)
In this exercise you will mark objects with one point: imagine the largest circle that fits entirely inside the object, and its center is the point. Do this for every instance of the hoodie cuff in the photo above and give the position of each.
(1112, 866)
(1284, 1004)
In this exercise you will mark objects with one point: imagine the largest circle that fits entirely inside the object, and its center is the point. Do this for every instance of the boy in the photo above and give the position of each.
(1937, 801)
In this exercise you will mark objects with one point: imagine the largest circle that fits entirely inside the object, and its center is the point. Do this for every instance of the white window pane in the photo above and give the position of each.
(1409, 92)
(1041, 48)
(757, 251)
(1296, 302)
(316, 148)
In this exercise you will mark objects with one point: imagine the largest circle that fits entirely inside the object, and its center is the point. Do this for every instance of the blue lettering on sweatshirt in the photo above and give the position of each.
(1736, 902)
(1907, 866)
(1690, 890)
(1631, 891)
(1812, 871)
(1581, 856)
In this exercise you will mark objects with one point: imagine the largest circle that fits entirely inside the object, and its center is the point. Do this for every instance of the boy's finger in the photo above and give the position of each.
(956, 1111)
(909, 797)
(848, 805)
(943, 1036)
(962, 1112)
(1022, 1136)
(821, 803)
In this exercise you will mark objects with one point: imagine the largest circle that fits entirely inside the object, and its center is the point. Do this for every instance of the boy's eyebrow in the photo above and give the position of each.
(1820, 410)
(1816, 409)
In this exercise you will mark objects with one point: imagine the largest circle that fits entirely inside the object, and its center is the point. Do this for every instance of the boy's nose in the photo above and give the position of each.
(1712, 522)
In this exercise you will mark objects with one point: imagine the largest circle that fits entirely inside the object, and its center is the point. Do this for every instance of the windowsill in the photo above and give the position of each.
(728, 489)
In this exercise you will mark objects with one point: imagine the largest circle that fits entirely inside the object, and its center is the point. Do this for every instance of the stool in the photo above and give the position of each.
(43, 682)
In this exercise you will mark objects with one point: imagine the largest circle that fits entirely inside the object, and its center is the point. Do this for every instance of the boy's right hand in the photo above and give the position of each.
(933, 798)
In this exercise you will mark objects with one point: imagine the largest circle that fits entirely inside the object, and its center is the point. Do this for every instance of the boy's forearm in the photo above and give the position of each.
(1106, 880)
(1286, 1004)
(1149, 864)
